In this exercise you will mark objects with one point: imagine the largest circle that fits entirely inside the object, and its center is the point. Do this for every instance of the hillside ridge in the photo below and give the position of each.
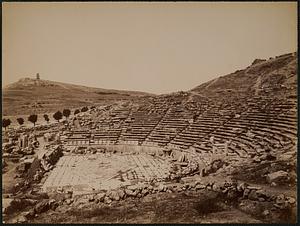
(26, 81)
(262, 73)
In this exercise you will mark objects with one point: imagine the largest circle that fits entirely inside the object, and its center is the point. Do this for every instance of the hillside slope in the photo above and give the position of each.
(28, 94)
(276, 76)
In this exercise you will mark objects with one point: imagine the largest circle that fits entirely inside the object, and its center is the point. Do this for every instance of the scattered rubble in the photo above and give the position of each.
(278, 177)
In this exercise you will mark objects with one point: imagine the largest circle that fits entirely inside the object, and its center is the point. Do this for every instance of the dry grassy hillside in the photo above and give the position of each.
(28, 94)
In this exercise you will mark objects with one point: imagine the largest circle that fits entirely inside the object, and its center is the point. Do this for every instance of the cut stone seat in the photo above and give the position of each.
(248, 145)
(105, 138)
(132, 139)
(275, 121)
(174, 122)
(271, 127)
(221, 139)
(269, 123)
(202, 125)
(242, 153)
(264, 136)
(78, 132)
(190, 133)
(244, 143)
(202, 149)
(223, 134)
(174, 128)
(130, 142)
(175, 119)
(77, 142)
(189, 141)
(196, 129)
(160, 130)
(284, 126)
(269, 130)
(256, 119)
(288, 132)
(161, 136)
(189, 137)
(141, 126)
(206, 122)
(76, 138)
(203, 130)
(162, 141)
(182, 142)
(170, 127)
(100, 141)
(108, 133)
(270, 113)
(133, 135)
(113, 130)
(158, 140)
(278, 134)
(285, 121)
(284, 106)
(136, 132)
(233, 125)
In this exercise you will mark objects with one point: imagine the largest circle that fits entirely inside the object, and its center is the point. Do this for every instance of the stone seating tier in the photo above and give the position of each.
(165, 123)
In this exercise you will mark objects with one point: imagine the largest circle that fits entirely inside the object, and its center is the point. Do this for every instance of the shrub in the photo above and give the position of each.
(33, 118)
(20, 121)
(66, 113)
(5, 123)
(57, 115)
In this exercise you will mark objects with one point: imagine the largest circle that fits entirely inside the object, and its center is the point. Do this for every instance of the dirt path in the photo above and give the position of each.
(257, 85)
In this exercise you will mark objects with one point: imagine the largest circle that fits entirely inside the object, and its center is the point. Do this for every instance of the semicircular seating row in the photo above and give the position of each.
(251, 126)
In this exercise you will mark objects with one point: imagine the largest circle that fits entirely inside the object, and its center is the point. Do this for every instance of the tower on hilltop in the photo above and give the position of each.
(37, 76)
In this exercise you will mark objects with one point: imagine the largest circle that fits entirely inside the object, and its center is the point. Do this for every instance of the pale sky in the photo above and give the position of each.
(152, 47)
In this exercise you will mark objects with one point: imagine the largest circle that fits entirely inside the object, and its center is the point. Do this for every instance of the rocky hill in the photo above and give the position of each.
(27, 94)
(275, 76)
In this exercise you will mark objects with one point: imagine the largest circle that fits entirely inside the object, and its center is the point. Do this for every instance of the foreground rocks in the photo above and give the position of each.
(278, 177)
(229, 190)
(245, 195)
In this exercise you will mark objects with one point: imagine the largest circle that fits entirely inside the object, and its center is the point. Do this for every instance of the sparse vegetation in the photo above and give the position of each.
(5, 123)
(20, 121)
(84, 109)
(46, 117)
(77, 111)
(57, 115)
(33, 119)
(66, 113)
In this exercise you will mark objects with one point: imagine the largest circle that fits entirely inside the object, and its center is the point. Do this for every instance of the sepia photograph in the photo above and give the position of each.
(149, 112)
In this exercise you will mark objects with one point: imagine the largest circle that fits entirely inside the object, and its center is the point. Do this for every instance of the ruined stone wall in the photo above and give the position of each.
(127, 148)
